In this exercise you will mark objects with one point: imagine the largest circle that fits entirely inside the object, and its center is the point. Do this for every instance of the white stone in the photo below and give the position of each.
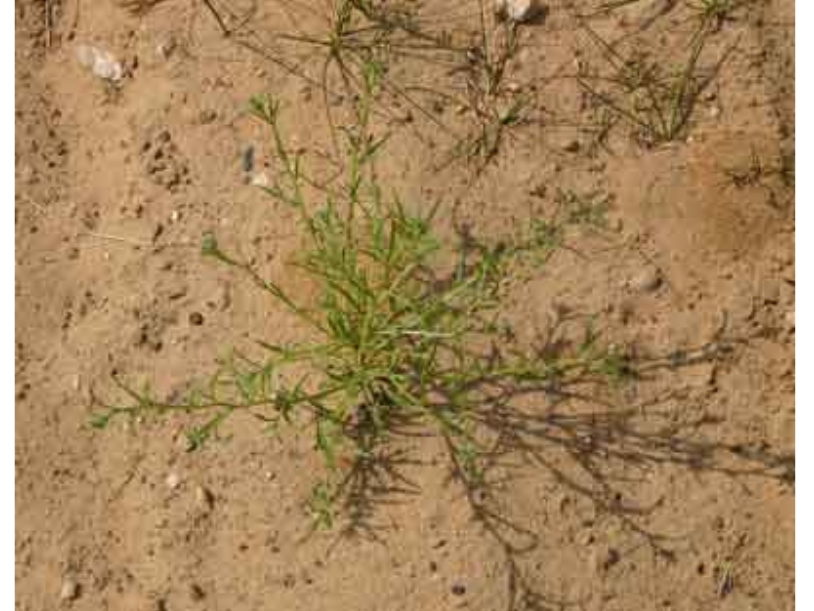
(261, 180)
(102, 63)
(518, 11)
(173, 481)
(107, 67)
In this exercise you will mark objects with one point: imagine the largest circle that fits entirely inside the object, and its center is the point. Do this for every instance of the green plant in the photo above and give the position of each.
(394, 340)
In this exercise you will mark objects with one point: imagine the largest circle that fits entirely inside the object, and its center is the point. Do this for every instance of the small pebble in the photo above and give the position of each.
(173, 481)
(586, 537)
(646, 280)
(261, 180)
(69, 590)
(204, 498)
(572, 146)
(459, 589)
(196, 319)
(519, 11)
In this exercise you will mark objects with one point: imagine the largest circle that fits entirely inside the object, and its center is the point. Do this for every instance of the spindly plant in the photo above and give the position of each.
(404, 332)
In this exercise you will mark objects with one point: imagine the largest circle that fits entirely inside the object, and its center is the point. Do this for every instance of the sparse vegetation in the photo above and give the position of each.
(463, 51)
(397, 340)
(655, 100)
(499, 293)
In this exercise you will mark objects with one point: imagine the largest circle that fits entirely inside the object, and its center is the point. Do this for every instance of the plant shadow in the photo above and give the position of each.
(588, 444)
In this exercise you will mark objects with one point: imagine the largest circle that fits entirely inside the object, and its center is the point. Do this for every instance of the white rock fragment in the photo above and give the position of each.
(102, 63)
(173, 481)
(518, 11)
(261, 180)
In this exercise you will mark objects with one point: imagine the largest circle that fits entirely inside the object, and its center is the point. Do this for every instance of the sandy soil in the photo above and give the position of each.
(674, 492)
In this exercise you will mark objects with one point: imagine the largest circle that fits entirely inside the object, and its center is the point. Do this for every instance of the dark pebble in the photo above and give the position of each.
(458, 589)
(196, 319)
